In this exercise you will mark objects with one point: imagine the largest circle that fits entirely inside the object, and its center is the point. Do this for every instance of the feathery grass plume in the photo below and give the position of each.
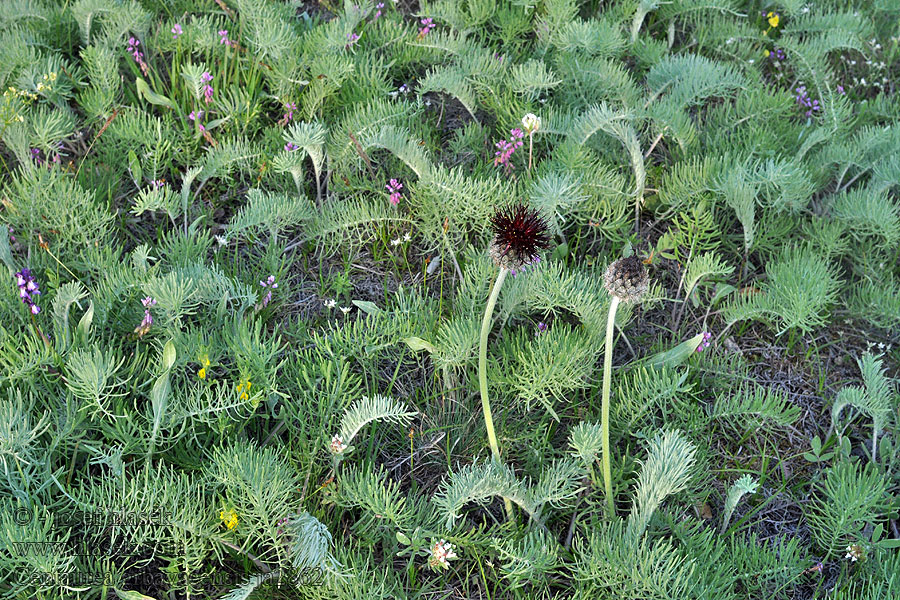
(626, 280)
(519, 233)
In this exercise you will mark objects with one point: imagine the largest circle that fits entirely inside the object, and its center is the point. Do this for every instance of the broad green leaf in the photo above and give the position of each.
(677, 355)
(151, 96)
(416, 344)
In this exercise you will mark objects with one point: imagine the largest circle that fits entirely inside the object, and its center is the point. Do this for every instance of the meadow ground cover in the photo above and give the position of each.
(461, 299)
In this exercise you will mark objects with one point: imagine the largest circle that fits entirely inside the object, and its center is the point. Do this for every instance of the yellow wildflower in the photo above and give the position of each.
(773, 19)
(204, 364)
(244, 392)
(229, 517)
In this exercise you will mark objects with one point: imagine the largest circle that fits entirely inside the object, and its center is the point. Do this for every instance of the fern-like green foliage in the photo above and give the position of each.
(665, 471)
(798, 289)
(529, 560)
(876, 398)
(850, 497)
(744, 485)
(377, 408)
(752, 406)
(605, 564)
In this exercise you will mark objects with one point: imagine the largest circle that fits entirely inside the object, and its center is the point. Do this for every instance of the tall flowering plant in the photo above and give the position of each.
(519, 234)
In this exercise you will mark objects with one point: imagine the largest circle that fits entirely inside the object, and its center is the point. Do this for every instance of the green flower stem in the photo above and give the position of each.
(482, 375)
(604, 419)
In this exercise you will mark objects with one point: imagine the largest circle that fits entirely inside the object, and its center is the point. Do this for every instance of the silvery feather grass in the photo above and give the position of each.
(165, 164)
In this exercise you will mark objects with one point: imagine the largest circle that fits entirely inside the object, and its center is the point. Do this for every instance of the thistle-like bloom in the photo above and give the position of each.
(28, 288)
(337, 445)
(627, 279)
(441, 555)
(531, 123)
(519, 233)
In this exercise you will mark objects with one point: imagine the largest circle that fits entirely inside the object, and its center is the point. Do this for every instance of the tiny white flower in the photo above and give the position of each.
(396, 242)
(854, 552)
(531, 122)
(345, 309)
(221, 240)
(406, 237)
(441, 555)
(330, 303)
(751, 61)
(337, 445)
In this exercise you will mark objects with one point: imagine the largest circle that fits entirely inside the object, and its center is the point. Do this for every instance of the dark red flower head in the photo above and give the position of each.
(519, 233)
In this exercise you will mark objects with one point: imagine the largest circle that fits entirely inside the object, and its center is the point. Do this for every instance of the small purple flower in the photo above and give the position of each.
(196, 116)
(28, 288)
(521, 269)
(207, 89)
(378, 6)
(270, 285)
(403, 89)
(704, 343)
(353, 38)
(394, 188)
(12, 238)
(290, 147)
(223, 38)
(542, 327)
(133, 44)
(803, 99)
(429, 25)
(176, 31)
(840, 90)
(505, 148)
(147, 321)
(290, 107)
(157, 183)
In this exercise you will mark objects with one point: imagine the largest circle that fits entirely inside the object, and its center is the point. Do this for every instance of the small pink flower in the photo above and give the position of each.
(176, 31)
(704, 343)
(429, 25)
(223, 38)
(394, 188)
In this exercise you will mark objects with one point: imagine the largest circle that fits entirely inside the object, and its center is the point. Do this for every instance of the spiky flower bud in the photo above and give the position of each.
(519, 233)
(627, 279)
